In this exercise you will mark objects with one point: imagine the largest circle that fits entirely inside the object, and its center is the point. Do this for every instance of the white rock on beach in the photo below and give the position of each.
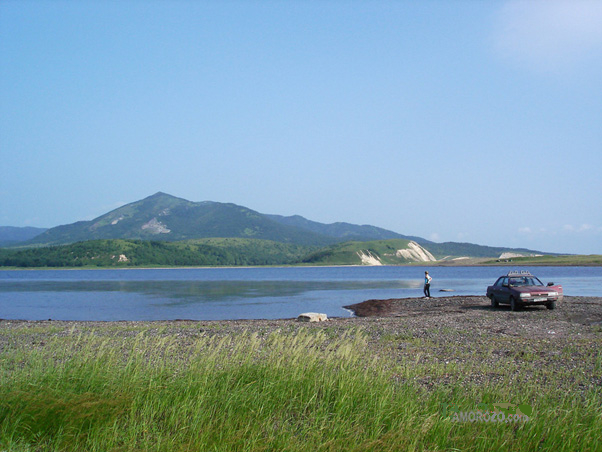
(312, 317)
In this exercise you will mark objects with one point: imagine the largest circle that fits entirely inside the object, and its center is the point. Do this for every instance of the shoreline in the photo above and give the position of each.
(416, 264)
(587, 310)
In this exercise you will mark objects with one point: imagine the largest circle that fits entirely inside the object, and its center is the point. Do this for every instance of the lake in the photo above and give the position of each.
(244, 293)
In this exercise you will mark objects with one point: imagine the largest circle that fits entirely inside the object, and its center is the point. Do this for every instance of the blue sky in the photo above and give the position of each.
(462, 121)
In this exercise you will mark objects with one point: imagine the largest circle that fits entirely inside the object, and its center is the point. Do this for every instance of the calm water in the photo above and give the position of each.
(244, 293)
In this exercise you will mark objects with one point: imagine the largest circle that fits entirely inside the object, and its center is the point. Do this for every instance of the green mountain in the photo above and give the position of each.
(213, 226)
(10, 235)
(163, 217)
(343, 231)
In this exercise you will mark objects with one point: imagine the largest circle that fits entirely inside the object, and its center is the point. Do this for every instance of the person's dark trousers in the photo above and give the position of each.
(427, 290)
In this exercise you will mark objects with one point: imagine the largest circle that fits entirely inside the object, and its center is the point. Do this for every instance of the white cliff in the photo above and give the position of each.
(368, 258)
(416, 253)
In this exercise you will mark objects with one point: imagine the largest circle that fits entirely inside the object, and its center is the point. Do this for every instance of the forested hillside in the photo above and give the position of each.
(136, 253)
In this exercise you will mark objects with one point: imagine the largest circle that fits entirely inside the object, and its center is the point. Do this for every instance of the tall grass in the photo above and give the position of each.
(287, 391)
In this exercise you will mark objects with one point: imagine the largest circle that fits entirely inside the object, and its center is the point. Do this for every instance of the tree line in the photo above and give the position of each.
(135, 253)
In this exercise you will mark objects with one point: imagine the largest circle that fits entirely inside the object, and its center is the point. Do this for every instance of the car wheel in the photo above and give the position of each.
(494, 302)
(551, 305)
(514, 305)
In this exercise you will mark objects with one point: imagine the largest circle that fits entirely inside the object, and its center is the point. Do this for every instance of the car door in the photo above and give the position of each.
(496, 289)
(504, 291)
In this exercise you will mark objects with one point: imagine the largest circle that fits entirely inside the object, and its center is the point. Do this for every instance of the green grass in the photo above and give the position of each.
(297, 390)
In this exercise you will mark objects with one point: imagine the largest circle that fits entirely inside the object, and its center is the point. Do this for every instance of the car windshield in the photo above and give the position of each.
(525, 281)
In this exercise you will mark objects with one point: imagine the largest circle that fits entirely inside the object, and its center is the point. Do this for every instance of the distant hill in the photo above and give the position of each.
(10, 235)
(455, 249)
(165, 218)
(343, 231)
(162, 217)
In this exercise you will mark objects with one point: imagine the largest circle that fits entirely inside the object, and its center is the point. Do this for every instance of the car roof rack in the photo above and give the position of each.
(519, 273)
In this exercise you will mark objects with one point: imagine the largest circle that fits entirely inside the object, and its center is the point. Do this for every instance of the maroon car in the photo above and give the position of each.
(520, 288)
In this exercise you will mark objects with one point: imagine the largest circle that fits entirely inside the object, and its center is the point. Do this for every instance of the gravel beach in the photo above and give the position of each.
(464, 330)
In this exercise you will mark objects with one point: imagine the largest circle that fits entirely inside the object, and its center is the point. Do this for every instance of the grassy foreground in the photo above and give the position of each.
(294, 389)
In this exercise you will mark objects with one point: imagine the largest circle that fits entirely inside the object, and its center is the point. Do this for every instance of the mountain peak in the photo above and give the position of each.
(161, 194)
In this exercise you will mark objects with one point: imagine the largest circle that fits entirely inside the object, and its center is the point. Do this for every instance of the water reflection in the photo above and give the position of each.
(206, 290)
(213, 294)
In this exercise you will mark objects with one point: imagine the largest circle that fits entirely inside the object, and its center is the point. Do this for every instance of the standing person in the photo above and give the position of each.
(427, 285)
